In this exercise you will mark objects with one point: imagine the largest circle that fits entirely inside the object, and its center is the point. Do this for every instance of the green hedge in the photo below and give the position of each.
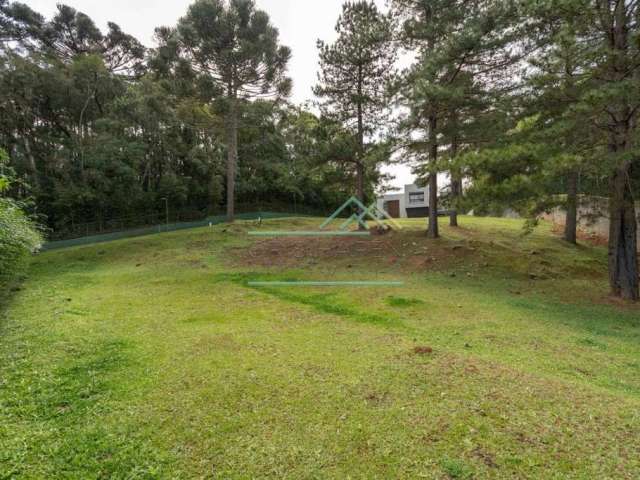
(19, 238)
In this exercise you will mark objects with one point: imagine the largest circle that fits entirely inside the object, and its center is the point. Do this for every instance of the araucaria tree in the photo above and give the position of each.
(233, 46)
(354, 71)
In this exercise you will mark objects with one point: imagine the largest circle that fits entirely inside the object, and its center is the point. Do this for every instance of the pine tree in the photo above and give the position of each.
(462, 49)
(544, 152)
(354, 72)
(608, 101)
(613, 104)
(559, 82)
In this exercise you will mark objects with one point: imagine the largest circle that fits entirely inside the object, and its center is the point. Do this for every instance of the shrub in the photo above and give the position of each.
(19, 236)
(18, 239)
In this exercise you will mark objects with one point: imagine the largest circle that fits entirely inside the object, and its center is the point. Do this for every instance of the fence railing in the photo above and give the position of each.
(172, 227)
(77, 230)
(71, 231)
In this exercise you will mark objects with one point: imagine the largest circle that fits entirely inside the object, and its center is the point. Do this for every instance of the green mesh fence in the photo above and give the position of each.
(138, 232)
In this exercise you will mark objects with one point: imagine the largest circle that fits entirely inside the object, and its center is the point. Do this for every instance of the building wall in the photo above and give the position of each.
(421, 206)
(400, 196)
(404, 199)
(592, 217)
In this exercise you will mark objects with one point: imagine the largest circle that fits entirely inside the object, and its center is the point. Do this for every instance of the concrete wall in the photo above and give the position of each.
(396, 196)
(413, 189)
(404, 199)
(593, 217)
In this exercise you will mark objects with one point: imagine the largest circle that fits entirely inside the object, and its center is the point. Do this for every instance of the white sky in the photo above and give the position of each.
(301, 24)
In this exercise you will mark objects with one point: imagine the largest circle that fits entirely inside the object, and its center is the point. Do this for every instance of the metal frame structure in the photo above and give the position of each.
(373, 212)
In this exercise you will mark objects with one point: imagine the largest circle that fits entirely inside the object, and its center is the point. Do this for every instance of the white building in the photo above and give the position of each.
(412, 203)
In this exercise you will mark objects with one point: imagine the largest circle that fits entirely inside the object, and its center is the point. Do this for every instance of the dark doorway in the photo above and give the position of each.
(392, 207)
(418, 212)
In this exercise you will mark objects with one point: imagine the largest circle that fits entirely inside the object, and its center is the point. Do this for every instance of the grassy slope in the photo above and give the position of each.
(150, 358)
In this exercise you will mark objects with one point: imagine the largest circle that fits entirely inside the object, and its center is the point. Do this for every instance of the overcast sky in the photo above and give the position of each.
(301, 24)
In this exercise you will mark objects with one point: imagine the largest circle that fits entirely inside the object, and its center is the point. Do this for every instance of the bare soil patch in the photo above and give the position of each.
(423, 350)
(589, 238)
(410, 250)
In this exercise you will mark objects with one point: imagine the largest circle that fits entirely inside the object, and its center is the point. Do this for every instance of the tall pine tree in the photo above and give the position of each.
(352, 82)
(462, 48)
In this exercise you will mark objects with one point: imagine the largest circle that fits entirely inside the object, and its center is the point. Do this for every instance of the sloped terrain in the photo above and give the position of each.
(500, 357)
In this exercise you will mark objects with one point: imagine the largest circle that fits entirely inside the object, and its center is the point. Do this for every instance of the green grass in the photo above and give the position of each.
(500, 357)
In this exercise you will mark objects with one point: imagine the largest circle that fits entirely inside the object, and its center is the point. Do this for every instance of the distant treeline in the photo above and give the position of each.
(99, 127)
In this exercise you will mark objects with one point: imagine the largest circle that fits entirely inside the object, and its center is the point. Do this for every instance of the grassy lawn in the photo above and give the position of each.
(500, 357)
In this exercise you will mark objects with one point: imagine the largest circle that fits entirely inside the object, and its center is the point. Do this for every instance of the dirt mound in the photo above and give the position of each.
(407, 249)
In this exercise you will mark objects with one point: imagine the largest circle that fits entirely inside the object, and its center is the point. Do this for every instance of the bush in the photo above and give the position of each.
(18, 239)
(19, 236)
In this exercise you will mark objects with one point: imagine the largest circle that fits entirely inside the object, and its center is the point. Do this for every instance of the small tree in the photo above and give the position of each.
(354, 72)
(234, 46)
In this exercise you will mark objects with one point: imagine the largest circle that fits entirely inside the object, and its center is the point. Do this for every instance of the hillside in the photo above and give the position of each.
(501, 357)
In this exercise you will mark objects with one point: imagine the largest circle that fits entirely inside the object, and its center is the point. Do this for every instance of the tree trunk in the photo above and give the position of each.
(360, 181)
(623, 251)
(232, 156)
(571, 221)
(456, 193)
(456, 185)
(32, 161)
(360, 160)
(432, 231)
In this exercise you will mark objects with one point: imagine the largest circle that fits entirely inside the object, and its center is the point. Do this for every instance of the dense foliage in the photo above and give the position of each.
(18, 234)
(103, 128)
